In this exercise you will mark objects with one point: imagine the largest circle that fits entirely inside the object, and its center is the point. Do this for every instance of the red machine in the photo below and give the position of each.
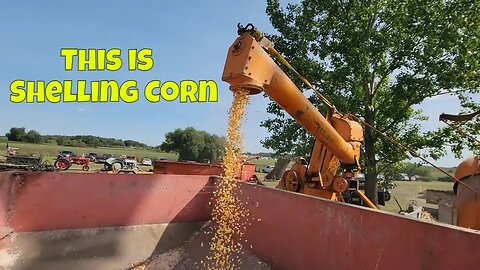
(64, 163)
(246, 170)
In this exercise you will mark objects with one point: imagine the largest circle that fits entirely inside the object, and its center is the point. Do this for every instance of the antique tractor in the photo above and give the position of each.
(65, 162)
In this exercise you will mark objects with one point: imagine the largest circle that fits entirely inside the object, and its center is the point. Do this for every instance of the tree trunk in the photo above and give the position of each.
(280, 167)
(371, 188)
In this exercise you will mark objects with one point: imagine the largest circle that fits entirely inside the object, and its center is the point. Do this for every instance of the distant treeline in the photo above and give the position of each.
(33, 136)
(261, 154)
(91, 141)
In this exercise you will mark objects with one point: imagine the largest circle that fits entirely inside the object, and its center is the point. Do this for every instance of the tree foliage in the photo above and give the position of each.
(414, 169)
(33, 136)
(376, 59)
(461, 135)
(132, 143)
(16, 134)
(91, 141)
(194, 145)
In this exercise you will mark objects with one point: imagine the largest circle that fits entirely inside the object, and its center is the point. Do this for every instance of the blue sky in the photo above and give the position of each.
(189, 39)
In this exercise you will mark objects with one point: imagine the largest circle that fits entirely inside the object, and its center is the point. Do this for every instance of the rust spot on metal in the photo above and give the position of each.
(299, 113)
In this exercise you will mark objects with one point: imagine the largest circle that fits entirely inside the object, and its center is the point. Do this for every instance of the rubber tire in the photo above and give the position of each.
(115, 166)
(69, 164)
(85, 168)
(388, 196)
(107, 166)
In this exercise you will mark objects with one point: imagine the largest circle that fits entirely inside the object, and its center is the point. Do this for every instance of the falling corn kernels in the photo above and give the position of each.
(228, 210)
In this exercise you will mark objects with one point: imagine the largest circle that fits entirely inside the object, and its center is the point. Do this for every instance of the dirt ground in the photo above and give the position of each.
(193, 256)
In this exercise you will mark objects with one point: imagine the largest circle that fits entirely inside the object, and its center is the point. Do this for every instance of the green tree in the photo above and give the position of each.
(412, 169)
(16, 134)
(194, 145)
(214, 147)
(132, 143)
(75, 143)
(61, 140)
(376, 59)
(459, 135)
(33, 137)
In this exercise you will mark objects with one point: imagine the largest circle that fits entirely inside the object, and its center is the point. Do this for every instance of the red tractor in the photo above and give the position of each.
(64, 162)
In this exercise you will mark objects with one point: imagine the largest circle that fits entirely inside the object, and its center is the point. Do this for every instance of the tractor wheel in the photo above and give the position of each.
(107, 167)
(292, 181)
(85, 168)
(62, 164)
(117, 166)
(387, 196)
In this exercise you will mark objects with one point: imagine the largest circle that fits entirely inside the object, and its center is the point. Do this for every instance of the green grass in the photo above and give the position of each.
(412, 190)
(435, 174)
(263, 162)
(50, 151)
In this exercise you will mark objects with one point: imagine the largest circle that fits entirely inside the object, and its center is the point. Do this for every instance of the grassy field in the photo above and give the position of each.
(404, 192)
(435, 174)
(50, 151)
(413, 190)
(263, 162)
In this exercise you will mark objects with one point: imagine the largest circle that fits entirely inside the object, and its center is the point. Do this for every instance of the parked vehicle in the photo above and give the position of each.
(267, 169)
(64, 163)
(66, 154)
(160, 159)
(147, 162)
(117, 164)
(92, 156)
(103, 158)
(26, 163)
(446, 179)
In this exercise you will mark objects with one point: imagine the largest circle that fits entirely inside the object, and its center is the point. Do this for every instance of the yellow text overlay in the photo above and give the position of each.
(112, 91)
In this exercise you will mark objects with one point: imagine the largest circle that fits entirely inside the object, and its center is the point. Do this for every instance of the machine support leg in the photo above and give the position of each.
(366, 199)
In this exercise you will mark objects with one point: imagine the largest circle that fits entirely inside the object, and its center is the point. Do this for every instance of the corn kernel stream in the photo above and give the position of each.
(228, 210)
